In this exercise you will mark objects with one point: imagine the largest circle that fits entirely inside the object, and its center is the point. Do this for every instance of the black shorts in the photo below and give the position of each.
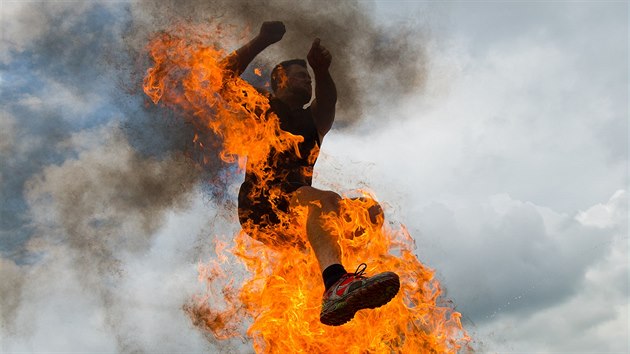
(261, 211)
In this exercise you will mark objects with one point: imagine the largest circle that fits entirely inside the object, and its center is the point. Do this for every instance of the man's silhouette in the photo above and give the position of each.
(291, 174)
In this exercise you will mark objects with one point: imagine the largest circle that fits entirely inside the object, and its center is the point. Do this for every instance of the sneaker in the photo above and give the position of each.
(354, 292)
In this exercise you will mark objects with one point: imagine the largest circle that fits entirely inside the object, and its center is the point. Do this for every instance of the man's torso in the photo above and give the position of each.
(285, 170)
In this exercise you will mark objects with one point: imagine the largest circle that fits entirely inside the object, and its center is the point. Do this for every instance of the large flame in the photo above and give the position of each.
(282, 298)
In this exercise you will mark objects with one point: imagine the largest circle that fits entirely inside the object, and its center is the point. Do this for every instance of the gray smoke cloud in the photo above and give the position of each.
(62, 73)
(89, 174)
(103, 207)
(371, 62)
(11, 274)
(109, 198)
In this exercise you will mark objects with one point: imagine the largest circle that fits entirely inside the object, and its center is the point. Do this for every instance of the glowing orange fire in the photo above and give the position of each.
(283, 296)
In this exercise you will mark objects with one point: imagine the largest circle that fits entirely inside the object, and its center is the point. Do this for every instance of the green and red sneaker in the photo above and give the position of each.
(354, 292)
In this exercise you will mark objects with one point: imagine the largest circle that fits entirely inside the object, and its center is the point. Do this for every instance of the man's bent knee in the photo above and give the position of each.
(330, 201)
(309, 196)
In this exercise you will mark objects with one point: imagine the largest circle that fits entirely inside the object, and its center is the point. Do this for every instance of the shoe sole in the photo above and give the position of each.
(371, 296)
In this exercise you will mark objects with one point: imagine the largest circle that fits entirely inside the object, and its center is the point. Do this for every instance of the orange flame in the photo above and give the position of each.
(282, 297)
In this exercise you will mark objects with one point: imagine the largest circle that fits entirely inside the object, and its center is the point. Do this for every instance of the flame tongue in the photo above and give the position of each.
(189, 76)
(283, 295)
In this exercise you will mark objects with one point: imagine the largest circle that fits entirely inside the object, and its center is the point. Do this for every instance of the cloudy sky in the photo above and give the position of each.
(497, 133)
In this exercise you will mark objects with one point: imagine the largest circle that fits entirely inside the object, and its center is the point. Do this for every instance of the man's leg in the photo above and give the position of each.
(319, 204)
(345, 293)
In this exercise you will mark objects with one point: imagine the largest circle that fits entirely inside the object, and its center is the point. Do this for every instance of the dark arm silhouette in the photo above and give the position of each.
(323, 106)
(270, 33)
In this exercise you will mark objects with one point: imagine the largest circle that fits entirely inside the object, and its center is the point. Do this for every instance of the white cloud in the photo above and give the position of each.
(522, 118)
(606, 215)
(593, 319)
(500, 169)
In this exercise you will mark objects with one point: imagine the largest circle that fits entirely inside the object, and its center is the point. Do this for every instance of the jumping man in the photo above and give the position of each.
(346, 293)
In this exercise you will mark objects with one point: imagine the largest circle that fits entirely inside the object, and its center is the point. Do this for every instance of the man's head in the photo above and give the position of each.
(291, 78)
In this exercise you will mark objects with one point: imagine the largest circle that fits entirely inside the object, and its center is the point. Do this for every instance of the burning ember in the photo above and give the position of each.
(281, 301)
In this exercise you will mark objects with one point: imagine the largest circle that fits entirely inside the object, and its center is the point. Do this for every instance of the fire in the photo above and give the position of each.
(282, 296)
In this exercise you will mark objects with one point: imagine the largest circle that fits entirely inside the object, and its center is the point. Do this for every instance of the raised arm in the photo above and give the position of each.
(270, 33)
(323, 107)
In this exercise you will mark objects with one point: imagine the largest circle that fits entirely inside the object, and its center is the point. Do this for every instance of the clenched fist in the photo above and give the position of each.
(272, 31)
(319, 57)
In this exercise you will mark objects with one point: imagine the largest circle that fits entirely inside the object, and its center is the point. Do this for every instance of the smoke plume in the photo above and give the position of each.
(371, 63)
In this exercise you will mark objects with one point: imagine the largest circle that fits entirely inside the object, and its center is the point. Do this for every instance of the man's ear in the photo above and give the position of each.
(280, 78)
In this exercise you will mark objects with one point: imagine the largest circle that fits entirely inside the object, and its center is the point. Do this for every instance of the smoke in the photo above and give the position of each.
(101, 193)
(89, 176)
(65, 68)
(97, 209)
(94, 203)
(11, 274)
(371, 63)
